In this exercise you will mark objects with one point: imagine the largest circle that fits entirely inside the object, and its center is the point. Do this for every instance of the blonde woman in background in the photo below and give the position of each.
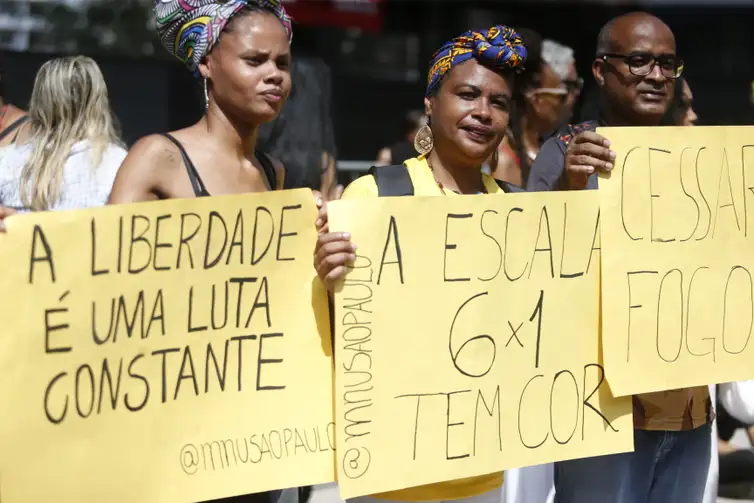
(69, 153)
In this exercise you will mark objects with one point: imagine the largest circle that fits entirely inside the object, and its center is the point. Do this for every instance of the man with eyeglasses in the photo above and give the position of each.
(635, 68)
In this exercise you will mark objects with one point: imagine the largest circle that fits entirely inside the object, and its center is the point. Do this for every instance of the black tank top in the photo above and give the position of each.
(196, 181)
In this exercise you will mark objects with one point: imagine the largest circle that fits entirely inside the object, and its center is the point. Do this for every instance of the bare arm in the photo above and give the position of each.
(141, 177)
(330, 188)
(384, 157)
(724, 447)
(4, 213)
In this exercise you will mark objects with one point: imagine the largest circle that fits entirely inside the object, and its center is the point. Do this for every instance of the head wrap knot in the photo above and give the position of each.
(190, 28)
(499, 47)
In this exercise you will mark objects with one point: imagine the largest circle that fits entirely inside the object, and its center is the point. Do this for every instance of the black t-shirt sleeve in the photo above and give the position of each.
(546, 171)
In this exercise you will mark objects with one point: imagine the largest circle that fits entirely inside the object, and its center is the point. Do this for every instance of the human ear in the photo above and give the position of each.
(598, 70)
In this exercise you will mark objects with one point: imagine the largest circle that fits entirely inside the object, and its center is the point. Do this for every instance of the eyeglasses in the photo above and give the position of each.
(642, 64)
(560, 92)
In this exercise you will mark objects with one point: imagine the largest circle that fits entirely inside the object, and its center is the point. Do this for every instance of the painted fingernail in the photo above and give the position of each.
(319, 201)
(609, 166)
(318, 222)
(613, 155)
(345, 235)
(354, 247)
(352, 257)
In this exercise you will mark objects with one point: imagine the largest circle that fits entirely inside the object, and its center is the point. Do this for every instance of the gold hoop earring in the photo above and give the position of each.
(423, 141)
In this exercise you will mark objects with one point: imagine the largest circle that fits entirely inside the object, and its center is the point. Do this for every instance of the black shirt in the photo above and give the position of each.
(546, 173)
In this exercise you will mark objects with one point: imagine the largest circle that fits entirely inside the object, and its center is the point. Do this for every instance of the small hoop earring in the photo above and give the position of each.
(206, 96)
(423, 141)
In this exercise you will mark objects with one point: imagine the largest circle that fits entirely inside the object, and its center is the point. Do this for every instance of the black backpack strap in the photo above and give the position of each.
(392, 180)
(508, 187)
(13, 126)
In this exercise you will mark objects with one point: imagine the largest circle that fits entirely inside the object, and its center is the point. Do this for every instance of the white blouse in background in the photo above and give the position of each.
(84, 185)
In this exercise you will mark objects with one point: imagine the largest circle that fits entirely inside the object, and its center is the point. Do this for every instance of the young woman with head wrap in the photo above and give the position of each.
(467, 103)
(241, 51)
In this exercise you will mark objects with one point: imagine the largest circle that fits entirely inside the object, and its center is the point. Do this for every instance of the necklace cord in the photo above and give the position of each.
(442, 188)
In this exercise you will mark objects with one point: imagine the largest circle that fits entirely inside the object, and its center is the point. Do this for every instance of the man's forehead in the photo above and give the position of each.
(649, 35)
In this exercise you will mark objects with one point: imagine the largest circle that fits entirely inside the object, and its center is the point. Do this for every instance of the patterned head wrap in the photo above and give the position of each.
(499, 47)
(190, 28)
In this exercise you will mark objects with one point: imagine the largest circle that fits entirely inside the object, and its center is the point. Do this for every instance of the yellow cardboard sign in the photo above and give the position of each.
(171, 351)
(466, 339)
(678, 257)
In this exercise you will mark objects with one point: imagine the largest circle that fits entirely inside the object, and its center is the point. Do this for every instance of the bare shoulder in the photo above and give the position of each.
(153, 155)
(154, 147)
(146, 170)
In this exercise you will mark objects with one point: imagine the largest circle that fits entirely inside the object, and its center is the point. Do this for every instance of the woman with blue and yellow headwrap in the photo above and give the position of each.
(241, 51)
(467, 100)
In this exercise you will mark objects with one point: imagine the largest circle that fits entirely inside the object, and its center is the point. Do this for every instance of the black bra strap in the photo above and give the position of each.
(268, 168)
(12, 127)
(193, 174)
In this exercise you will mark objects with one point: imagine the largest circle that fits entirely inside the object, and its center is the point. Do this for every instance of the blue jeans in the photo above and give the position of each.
(665, 467)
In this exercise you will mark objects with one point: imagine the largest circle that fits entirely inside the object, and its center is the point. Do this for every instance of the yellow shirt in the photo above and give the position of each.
(426, 185)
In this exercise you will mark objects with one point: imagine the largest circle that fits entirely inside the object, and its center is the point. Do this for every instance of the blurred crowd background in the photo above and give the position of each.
(359, 78)
(372, 54)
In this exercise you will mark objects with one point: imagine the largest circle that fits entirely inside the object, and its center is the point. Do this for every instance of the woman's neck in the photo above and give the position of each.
(235, 136)
(454, 175)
